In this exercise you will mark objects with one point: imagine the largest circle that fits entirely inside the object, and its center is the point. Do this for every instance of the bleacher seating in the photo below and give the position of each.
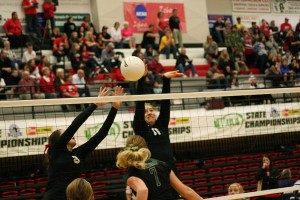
(209, 180)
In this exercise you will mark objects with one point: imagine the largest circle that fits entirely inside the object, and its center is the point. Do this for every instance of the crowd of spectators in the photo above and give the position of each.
(273, 50)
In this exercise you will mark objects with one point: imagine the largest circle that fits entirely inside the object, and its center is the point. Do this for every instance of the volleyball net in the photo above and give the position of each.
(198, 116)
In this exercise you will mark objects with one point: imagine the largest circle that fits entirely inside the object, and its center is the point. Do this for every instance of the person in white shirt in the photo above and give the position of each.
(79, 80)
(116, 35)
(29, 53)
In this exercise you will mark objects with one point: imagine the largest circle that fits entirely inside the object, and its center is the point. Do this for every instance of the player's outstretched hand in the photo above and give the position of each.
(102, 93)
(173, 74)
(118, 92)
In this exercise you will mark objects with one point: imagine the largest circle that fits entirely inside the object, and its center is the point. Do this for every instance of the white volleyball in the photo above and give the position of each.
(132, 68)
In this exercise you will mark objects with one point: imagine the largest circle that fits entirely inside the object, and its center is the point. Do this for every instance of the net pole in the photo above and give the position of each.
(256, 194)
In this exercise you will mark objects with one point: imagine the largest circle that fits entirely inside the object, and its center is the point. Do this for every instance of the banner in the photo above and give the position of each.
(260, 6)
(286, 6)
(28, 137)
(141, 14)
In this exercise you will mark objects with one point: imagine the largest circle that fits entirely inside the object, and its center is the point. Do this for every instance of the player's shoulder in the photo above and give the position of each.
(154, 162)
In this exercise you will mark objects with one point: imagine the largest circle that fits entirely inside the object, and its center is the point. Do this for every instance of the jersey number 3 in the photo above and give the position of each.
(76, 160)
(153, 171)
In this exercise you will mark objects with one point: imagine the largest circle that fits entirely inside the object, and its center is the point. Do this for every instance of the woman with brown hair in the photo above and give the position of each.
(80, 189)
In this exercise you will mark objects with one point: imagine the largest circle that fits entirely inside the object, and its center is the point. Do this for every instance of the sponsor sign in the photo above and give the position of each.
(286, 6)
(259, 6)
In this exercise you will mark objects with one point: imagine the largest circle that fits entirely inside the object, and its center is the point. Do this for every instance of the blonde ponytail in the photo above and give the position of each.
(129, 158)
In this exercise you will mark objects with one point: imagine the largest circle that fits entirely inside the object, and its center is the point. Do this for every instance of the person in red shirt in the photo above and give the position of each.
(61, 47)
(284, 27)
(13, 30)
(49, 9)
(47, 85)
(265, 28)
(30, 7)
(69, 90)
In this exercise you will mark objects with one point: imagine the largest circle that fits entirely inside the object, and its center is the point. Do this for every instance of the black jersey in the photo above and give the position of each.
(65, 165)
(157, 136)
(156, 176)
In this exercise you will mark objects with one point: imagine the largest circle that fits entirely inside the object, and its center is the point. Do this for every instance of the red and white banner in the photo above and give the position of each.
(141, 14)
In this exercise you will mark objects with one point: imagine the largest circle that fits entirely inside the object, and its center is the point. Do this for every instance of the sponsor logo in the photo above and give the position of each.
(14, 131)
(115, 130)
(179, 121)
(39, 130)
(274, 113)
(140, 12)
(290, 112)
(229, 120)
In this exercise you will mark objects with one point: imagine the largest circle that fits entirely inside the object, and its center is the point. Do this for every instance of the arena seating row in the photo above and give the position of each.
(210, 179)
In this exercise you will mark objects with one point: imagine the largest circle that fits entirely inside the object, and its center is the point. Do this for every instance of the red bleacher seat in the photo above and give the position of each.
(186, 173)
(244, 183)
(253, 165)
(199, 181)
(179, 165)
(199, 172)
(7, 184)
(216, 179)
(208, 162)
(113, 172)
(188, 182)
(27, 191)
(219, 161)
(83, 175)
(216, 187)
(215, 170)
(96, 174)
(279, 162)
(201, 189)
(232, 159)
(189, 164)
(228, 169)
(42, 180)
(26, 182)
(294, 169)
(253, 183)
(247, 157)
(229, 177)
(241, 167)
(291, 161)
(257, 156)
(242, 175)
(252, 174)
(100, 193)
(97, 184)
(12, 193)
(43, 189)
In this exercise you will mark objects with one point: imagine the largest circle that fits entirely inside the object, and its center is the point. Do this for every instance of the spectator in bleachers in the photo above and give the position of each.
(149, 54)
(275, 31)
(91, 43)
(6, 65)
(288, 76)
(105, 36)
(81, 33)
(285, 27)
(239, 62)
(149, 37)
(138, 49)
(272, 59)
(2, 89)
(227, 31)
(30, 7)
(75, 57)
(239, 25)
(108, 58)
(68, 90)
(236, 188)
(61, 47)
(116, 35)
(214, 78)
(92, 64)
(28, 88)
(272, 45)
(100, 44)
(218, 30)
(74, 39)
(248, 51)
(261, 53)
(264, 28)
(79, 80)
(274, 74)
(87, 24)
(295, 67)
(69, 26)
(175, 26)
(137, 158)
(12, 82)
(267, 177)
(49, 8)
(155, 67)
(288, 55)
(290, 43)
(297, 32)
(210, 47)
(11, 54)
(161, 24)
(167, 45)
(253, 27)
(34, 70)
(29, 53)
(80, 189)
(47, 85)
(183, 63)
(285, 181)
(224, 60)
(58, 81)
(235, 41)
(127, 36)
(14, 32)
(55, 34)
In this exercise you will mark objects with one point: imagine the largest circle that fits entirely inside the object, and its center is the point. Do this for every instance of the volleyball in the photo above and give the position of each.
(132, 68)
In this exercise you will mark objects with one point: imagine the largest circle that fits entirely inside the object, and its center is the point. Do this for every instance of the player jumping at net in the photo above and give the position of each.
(156, 131)
(150, 178)
(65, 161)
